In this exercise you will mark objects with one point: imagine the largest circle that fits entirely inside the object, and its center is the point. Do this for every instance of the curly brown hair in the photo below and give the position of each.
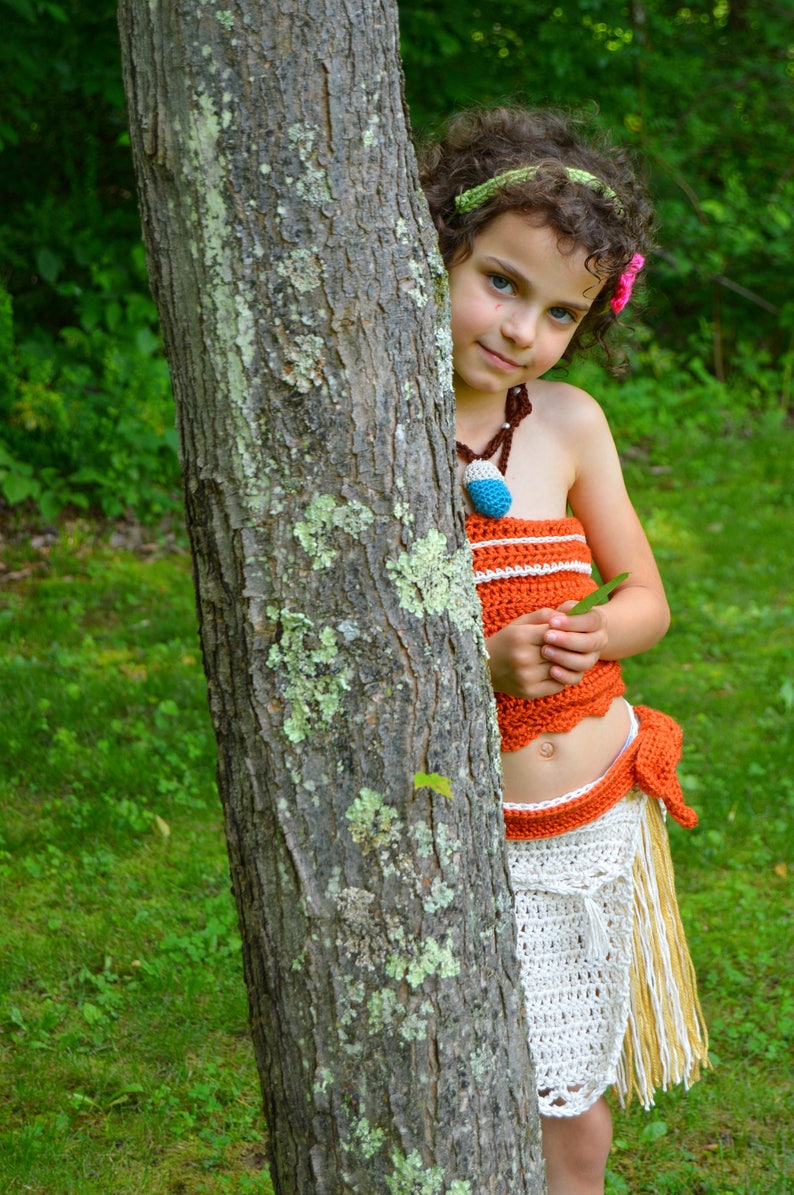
(481, 143)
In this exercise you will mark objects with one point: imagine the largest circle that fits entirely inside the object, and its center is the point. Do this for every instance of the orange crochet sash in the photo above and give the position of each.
(649, 762)
(521, 565)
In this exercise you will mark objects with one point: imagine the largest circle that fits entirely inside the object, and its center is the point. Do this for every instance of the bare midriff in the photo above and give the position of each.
(554, 764)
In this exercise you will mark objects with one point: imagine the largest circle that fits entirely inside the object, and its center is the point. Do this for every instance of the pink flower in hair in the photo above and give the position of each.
(625, 283)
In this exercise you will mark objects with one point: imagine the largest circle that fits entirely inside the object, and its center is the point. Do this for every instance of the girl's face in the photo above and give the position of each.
(516, 304)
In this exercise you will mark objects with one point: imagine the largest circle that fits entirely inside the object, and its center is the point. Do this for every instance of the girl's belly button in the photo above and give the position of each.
(546, 750)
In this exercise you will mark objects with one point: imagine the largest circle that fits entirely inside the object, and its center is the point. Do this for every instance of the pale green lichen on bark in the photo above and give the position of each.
(440, 277)
(313, 680)
(323, 517)
(313, 184)
(301, 268)
(349, 630)
(370, 132)
(431, 581)
(444, 354)
(365, 1139)
(423, 837)
(324, 1080)
(446, 846)
(350, 996)
(373, 823)
(410, 1176)
(304, 361)
(422, 959)
(479, 1063)
(386, 1014)
(232, 323)
(378, 942)
(440, 897)
(359, 936)
(384, 1010)
(413, 1026)
(224, 17)
(416, 289)
(440, 284)
(403, 512)
(246, 331)
(505, 907)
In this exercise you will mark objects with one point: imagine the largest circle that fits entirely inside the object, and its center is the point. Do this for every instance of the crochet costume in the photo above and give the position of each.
(611, 995)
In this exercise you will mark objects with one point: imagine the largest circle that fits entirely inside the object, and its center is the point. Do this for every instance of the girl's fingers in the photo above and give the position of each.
(563, 676)
(573, 661)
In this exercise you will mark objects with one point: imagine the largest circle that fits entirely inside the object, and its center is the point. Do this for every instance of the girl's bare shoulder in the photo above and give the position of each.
(559, 404)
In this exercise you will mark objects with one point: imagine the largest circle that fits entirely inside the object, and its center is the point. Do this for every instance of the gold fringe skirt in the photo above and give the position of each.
(610, 990)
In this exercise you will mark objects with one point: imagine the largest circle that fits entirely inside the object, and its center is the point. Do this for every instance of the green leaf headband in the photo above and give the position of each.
(476, 196)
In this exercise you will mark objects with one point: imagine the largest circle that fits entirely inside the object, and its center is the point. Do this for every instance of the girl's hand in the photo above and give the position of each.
(573, 643)
(515, 657)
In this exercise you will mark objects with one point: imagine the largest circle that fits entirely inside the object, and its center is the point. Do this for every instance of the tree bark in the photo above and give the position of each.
(301, 298)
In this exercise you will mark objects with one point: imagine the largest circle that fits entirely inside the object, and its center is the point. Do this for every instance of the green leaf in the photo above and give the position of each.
(16, 487)
(48, 264)
(654, 1131)
(92, 1015)
(6, 459)
(57, 13)
(51, 503)
(146, 342)
(598, 595)
(439, 784)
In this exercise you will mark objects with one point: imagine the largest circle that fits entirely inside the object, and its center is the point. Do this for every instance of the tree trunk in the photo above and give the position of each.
(299, 289)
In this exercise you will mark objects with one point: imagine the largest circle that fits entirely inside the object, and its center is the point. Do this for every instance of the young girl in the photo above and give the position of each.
(543, 234)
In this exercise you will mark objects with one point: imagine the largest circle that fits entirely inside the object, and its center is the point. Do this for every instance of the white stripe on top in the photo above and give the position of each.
(527, 539)
(533, 570)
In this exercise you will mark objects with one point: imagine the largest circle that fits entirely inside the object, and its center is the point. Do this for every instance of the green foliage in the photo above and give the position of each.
(84, 392)
(87, 416)
(702, 93)
(66, 179)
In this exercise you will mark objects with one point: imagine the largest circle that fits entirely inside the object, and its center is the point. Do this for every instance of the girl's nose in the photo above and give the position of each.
(520, 326)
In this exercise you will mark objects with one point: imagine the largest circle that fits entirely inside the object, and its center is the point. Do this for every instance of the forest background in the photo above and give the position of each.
(123, 1047)
(703, 93)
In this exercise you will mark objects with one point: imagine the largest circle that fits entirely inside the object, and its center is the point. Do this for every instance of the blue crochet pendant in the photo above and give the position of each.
(487, 489)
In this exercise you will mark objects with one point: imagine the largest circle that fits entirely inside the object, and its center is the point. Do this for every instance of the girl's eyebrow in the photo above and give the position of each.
(511, 271)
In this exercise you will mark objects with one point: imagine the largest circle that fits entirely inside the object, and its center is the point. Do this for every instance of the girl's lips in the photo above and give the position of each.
(498, 360)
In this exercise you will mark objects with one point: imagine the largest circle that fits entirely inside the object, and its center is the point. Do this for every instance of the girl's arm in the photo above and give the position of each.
(636, 615)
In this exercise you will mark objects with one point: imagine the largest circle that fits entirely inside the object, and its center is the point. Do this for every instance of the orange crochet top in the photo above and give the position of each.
(521, 565)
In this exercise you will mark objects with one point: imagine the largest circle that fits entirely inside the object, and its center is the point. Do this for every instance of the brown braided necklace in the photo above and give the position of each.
(484, 480)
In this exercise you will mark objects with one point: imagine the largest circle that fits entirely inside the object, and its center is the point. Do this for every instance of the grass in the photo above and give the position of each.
(720, 518)
(125, 1064)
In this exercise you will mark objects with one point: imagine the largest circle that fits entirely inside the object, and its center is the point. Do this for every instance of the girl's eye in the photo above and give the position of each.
(561, 314)
(500, 283)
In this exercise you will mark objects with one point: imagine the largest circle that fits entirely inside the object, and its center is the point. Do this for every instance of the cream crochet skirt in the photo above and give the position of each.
(610, 991)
